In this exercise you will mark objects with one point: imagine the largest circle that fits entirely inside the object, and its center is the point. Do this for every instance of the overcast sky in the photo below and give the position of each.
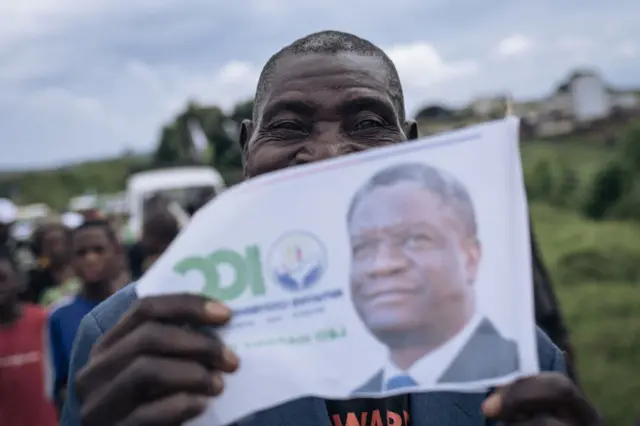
(82, 79)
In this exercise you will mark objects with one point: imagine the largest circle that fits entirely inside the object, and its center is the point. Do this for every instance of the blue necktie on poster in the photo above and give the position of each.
(400, 382)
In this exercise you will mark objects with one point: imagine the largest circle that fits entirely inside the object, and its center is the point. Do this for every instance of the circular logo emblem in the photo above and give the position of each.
(297, 260)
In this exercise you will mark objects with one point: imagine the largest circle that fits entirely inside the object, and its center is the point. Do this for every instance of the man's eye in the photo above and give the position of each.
(415, 240)
(368, 124)
(287, 125)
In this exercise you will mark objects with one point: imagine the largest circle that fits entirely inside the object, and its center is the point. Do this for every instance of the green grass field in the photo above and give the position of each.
(587, 158)
(595, 267)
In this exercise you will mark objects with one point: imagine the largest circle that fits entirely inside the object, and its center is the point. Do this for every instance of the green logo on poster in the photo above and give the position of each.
(247, 270)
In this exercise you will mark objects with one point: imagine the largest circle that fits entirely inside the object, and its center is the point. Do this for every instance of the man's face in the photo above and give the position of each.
(94, 255)
(322, 106)
(10, 284)
(55, 244)
(412, 263)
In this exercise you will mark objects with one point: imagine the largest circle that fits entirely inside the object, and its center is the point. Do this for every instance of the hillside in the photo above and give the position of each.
(595, 269)
(56, 186)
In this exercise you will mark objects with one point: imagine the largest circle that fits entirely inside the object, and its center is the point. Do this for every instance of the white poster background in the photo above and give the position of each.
(315, 198)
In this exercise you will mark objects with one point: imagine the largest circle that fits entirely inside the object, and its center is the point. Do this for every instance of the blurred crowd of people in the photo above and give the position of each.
(79, 261)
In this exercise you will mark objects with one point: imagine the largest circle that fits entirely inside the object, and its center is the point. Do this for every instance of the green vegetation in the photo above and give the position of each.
(595, 268)
(56, 187)
(586, 218)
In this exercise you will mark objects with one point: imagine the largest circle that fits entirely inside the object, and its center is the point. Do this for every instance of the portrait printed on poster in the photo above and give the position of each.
(415, 254)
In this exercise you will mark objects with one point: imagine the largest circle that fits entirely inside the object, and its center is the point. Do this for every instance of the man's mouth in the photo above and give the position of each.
(389, 294)
(92, 274)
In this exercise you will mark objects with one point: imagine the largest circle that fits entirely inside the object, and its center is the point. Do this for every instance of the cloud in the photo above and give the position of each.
(627, 50)
(424, 72)
(515, 45)
(86, 79)
(421, 66)
(576, 43)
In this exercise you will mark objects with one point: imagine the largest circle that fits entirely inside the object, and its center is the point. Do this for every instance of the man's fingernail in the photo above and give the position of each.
(229, 357)
(491, 405)
(217, 311)
(217, 382)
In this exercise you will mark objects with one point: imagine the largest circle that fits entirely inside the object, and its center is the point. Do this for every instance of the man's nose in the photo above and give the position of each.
(91, 257)
(326, 142)
(387, 261)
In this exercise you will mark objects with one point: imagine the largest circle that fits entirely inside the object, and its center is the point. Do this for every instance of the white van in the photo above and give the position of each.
(180, 185)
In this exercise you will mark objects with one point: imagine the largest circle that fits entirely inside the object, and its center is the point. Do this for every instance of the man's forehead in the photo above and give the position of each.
(90, 234)
(369, 70)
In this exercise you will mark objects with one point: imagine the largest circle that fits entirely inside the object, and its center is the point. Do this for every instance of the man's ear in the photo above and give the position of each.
(473, 251)
(411, 129)
(119, 248)
(246, 130)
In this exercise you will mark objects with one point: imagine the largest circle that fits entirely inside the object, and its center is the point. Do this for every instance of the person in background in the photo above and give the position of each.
(136, 253)
(204, 196)
(8, 216)
(547, 309)
(23, 354)
(96, 254)
(158, 232)
(53, 277)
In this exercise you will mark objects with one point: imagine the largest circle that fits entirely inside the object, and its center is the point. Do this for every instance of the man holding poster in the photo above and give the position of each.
(415, 257)
(146, 362)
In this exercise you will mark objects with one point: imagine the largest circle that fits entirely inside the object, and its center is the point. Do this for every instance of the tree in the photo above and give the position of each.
(169, 150)
(177, 145)
(242, 111)
(614, 190)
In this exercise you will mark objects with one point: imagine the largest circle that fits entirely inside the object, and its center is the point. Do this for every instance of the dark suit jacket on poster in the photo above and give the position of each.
(487, 355)
(427, 409)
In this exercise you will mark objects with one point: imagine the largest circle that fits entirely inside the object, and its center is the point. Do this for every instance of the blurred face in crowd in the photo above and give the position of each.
(95, 255)
(55, 244)
(158, 232)
(10, 283)
(321, 106)
(413, 265)
(154, 246)
(5, 232)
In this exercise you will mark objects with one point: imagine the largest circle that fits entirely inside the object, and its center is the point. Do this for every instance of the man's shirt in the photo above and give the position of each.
(428, 369)
(64, 321)
(24, 372)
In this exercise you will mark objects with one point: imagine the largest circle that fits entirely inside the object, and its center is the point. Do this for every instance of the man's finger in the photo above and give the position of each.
(492, 406)
(145, 380)
(170, 411)
(547, 392)
(189, 309)
(541, 421)
(550, 395)
(157, 340)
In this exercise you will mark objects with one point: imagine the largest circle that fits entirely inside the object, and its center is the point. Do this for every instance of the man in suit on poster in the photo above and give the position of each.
(415, 256)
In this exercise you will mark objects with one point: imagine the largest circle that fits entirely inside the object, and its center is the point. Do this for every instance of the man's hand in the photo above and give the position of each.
(154, 367)
(548, 399)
